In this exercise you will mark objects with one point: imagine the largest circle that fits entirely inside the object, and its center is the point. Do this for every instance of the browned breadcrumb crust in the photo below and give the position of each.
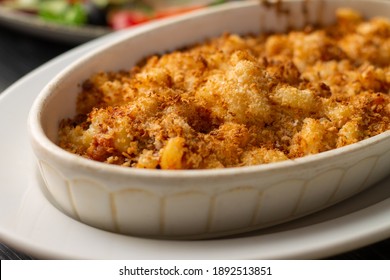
(240, 100)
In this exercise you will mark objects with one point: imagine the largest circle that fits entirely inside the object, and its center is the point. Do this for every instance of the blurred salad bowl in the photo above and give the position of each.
(114, 14)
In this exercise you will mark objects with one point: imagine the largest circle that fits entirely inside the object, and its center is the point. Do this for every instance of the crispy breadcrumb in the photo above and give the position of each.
(240, 100)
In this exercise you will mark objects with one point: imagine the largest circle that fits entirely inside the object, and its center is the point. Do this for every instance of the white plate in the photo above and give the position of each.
(33, 25)
(30, 223)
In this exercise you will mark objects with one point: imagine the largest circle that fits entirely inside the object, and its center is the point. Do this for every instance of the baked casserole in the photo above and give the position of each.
(239, 100)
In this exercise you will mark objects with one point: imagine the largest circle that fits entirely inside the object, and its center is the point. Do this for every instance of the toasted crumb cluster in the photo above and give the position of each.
(240, 100)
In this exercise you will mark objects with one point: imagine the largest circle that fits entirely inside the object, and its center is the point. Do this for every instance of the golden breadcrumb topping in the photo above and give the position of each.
(240, 100)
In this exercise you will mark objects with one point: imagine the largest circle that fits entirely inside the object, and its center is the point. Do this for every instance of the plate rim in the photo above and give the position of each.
(31, 24)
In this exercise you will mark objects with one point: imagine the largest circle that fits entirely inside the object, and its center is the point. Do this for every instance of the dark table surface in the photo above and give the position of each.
(21, 53)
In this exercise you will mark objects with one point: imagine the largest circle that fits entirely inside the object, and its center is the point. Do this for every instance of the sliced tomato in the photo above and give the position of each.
(125, 18)
(177, 11)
